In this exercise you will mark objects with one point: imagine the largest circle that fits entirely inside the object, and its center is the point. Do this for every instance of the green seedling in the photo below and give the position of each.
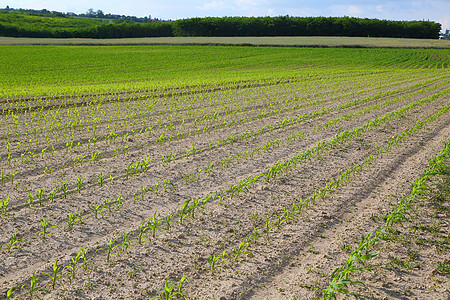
(96, 209)
(119, 202)
(9, 293)
(13, 242)
(30, 200)
(170, 291)
(56, 274)
(168, 220)
(45, 226)
(223, 256)
(212, 260)
(40, 196)
(2, 178)
(141, 236)
(80, 183)
(95, 155)
(144, 191)
(72, 269)
(268, 229)
(52, 195)
(111, 247)
(4, 206)
(101, 179)
(32, 288)
(279, 222)
(64, 187)
(108, 203)
(153, 223)
(168, 184)
(84, 258)
(80, 217)
(239, 251)
(126, 242)
(130, 169)
(206, 200)
(111, 178)
(287, 215)
(71, 218)
(193, 207)
(184, 210)
(255, 234)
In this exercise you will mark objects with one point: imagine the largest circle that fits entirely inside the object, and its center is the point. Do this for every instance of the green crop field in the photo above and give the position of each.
(60, 70)
(231, 172)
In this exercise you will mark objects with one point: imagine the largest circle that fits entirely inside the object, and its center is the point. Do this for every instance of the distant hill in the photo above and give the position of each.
(44, 23)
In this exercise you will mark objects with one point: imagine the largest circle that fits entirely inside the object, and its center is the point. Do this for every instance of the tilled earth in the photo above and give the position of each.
(295, 258)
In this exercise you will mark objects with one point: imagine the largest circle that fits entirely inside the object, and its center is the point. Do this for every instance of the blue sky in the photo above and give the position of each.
(434, 10)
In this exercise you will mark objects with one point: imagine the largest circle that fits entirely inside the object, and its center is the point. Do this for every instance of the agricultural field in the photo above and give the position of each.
(205, 172)
(288, 41)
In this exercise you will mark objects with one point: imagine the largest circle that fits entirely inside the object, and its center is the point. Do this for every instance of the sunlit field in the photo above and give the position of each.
(206, 172)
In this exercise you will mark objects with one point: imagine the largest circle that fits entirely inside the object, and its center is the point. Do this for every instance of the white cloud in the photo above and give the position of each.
(445, 22)
(379, 8)
(214, 5)
(355, 10)
(246, 3)
(348, 10)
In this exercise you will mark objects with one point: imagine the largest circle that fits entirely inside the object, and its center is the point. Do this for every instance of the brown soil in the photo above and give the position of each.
(296, 260)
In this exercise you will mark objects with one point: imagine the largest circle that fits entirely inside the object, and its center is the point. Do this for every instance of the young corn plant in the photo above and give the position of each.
(64, 187)
(126, 242)
(153, 223)
(256, 235)
(110, 249)
(71, 218)
(79, 216)
(101, 179)
(56, 274)
(119, 202)
(184, 209)
(213, 262)
(170, 291)
(268, 229)
(30, 200)
(40, 196)
(2, 178)
(80, 183)
(4, 206)
(141, 235)
(239, 251)
(9, 293)
(32, 287)
(45, 226)
(52, 195)
(96, 209)
(85, 259)
(72, 269)
(13, 242)
(168, 220)
(13, 175)
(193, 207)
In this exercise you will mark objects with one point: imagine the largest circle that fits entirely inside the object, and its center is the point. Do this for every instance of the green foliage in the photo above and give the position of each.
(305, 26)
(21, 24)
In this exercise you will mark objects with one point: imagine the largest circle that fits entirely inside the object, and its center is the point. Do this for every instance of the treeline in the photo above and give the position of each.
(122, 30)
(234, 26)
(306, 26)
(99, 14)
